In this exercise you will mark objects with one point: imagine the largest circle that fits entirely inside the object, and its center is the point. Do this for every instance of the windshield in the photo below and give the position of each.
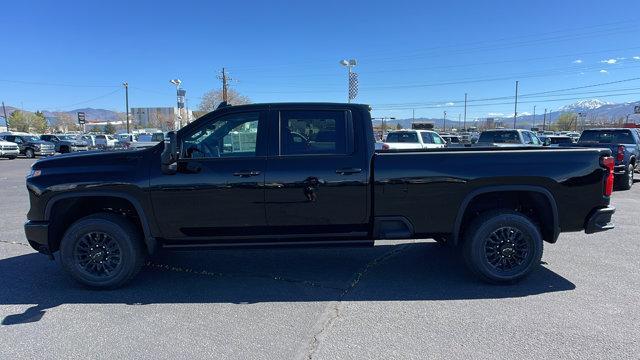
(402, 137)
(30, 138)
(607, 136)
(500, 137)
(66, 137)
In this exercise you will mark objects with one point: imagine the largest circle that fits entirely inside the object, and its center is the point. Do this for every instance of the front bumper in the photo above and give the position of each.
(9, 153)
(45, 152)
(600, 220)
(79, 148)
(37, 233)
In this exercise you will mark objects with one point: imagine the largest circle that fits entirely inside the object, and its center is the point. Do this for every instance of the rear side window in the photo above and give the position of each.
(499, 137)
(314, 132)
(403, 137)
(607, 136)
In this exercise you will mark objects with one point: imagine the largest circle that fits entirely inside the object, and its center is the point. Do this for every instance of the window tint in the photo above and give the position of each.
(313, 132)
(437, 139)
(607, 136)
(526, 137)
(232, 135)
(498, 137)
(534, 139)
(402, 137)
(426, 137)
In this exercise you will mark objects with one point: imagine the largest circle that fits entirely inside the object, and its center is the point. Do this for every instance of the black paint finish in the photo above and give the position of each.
(271, 198)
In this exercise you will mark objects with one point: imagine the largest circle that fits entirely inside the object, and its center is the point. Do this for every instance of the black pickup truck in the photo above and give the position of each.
(308, 174)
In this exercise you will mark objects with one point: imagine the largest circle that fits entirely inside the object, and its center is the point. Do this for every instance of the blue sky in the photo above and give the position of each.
(421, 55)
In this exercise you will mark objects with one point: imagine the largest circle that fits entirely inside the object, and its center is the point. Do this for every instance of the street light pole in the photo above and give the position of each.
(465, 112)
(349, 64)
(544, 119)
(534, 116)
(515, 111)
(126, 102)
(177, 83)
(444, 121)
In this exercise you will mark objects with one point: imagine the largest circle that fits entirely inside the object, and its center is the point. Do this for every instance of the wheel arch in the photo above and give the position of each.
(550, 231)
(135, 204)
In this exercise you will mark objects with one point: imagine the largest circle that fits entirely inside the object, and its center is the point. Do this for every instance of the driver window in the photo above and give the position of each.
(233, 135)
(535, 140)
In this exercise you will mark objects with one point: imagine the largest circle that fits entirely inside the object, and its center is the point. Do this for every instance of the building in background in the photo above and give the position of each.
(159, 117)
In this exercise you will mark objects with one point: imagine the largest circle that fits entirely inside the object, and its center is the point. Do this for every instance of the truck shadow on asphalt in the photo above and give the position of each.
(409, 272)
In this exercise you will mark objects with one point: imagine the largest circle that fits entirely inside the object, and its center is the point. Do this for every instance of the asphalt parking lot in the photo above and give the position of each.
(407, 301)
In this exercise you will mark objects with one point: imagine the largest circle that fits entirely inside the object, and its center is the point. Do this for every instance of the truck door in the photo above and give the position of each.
(316, 179)
(218, 189)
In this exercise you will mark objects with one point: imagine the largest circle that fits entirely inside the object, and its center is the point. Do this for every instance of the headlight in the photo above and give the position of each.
(34, 173)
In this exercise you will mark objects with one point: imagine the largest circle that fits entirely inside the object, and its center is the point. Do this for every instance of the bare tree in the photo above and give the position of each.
(65, 122)
(212, 98)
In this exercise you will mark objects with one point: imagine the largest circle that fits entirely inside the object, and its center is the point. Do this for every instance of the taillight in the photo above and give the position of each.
(608, 162)
(620, 154)
(385, 146)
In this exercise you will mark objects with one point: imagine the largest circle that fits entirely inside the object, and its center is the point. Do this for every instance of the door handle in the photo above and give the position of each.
(247, 173)
(348, 171)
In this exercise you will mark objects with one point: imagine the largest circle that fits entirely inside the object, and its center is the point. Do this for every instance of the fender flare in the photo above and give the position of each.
(149, 240)
(505, 188)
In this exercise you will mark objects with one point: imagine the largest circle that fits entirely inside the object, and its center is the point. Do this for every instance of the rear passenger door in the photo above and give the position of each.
(316, 181)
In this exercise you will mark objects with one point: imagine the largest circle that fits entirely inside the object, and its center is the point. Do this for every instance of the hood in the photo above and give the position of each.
(90, 159)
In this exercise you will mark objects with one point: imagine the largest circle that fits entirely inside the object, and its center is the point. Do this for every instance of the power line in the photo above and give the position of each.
(57, 84)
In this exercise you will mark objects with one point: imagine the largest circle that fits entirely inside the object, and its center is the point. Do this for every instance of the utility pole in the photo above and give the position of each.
(465, 112)
(515, 110)
(225, 85)
(413, 115)
(126, 102)
(544, 120)
(6, 119)
(459, 116)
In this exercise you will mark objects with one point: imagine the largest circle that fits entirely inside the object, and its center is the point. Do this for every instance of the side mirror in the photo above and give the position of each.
(546, 142)
(169, 156)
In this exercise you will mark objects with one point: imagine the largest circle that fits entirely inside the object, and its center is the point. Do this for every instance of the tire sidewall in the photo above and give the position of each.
(30, 154)
(476, 246)
(114, 229)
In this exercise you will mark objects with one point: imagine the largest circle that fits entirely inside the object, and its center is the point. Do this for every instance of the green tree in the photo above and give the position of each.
(109, 129)
(39, 123)
(27, 122)
(398, 127)
(566, 121)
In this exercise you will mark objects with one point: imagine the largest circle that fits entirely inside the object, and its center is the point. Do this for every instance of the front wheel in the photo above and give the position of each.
(29, 153)
(102, 251)
(502, 246)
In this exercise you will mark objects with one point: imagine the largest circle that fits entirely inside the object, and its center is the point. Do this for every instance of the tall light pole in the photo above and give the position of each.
(349, 64)
(534, 116)
(177, 83)
(544, 119)
(515, 110)
(444, 121)
(126, 101)
(465, 112)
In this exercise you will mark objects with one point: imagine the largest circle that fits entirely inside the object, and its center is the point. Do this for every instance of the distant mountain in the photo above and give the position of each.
(90, 114)
(593, 110)
(584, 105)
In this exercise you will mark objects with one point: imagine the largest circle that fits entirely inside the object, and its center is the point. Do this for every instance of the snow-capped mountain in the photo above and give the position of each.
(584, 105)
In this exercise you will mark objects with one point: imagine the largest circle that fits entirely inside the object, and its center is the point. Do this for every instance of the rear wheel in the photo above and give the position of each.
(102, 251)
(626, 180)
(29, 153)
(502, 246)
(64, 149)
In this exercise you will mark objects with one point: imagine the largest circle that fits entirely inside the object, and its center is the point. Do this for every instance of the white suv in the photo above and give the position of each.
(8, 149)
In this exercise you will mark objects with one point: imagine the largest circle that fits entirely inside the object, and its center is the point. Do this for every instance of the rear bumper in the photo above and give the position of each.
(600, 220)
(37, 233)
